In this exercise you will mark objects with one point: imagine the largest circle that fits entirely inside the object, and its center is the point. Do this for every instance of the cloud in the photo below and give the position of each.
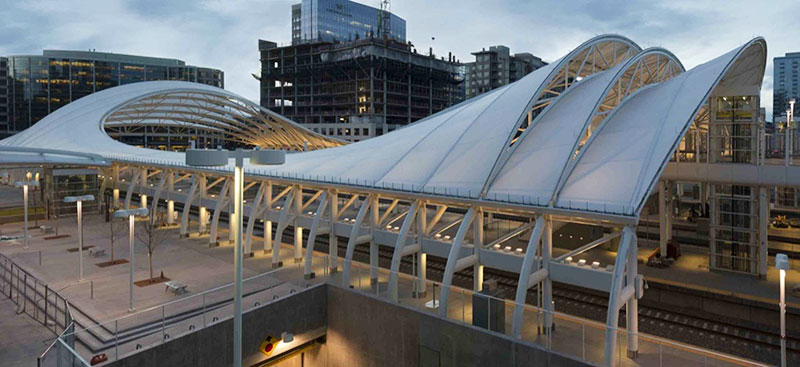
(224, 34)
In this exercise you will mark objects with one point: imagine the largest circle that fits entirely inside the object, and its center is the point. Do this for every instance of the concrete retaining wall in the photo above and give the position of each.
(366, 331)
(213, 346)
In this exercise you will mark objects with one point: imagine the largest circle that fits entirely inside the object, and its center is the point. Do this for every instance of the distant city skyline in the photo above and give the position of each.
(224, 34)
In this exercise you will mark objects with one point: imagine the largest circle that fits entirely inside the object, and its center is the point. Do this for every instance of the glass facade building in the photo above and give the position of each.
(786, 72)
(341, 20)
(37, 85)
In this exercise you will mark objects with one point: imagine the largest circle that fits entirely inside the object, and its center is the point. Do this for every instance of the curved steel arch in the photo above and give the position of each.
(721, 80)
(599, 53)
(236, 119)
(635, 74)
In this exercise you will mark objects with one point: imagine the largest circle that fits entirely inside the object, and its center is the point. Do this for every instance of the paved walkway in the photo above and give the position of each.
(22, 339)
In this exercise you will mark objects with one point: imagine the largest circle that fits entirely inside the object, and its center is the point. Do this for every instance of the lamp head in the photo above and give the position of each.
(782, 262)
(26, 183)
(124, 213)
(72, 199)
(268, 157)
(206, 157)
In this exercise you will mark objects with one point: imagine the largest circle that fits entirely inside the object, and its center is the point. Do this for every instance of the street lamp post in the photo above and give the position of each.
(24, 185)
(782, 264)
(131, 213)
(219, 157)
(78, 200)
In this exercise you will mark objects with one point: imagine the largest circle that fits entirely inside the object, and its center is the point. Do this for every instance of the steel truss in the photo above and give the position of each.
(323, 208)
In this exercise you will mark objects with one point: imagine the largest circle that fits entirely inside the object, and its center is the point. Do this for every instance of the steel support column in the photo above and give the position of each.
(298, 231)
(399, 248)
(283, 222)
(312, 236)
(351, 242)
(333, 241)
(255, 210)
(212, 239)
(131, 186)
(187, 207)
(615, 292)
(523, 285)
(373, 247)
(452, 259)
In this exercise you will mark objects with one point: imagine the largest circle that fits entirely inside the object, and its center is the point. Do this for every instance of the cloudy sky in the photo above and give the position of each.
(224, 33)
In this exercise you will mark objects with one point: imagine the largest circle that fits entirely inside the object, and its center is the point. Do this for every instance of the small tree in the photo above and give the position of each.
(151, 236)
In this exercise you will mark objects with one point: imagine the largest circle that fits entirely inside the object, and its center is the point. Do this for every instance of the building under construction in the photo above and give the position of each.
(358, 89)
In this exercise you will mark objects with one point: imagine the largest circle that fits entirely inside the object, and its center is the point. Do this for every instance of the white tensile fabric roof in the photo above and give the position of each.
(525, 143)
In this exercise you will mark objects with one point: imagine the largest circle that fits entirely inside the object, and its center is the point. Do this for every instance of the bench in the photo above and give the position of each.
(97, 252)
(46, 229)
(175, 287)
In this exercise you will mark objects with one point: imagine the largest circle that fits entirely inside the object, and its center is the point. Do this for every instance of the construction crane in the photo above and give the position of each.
(385, 19)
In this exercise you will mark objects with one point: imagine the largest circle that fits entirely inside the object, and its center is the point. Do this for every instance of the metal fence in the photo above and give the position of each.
(34, 298)
(148, 327)
(576, 337)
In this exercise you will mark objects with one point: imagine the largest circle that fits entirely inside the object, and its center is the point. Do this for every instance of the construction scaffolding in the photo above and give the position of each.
(358, 89)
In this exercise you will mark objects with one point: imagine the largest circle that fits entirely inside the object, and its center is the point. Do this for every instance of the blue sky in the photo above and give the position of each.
(224, 33)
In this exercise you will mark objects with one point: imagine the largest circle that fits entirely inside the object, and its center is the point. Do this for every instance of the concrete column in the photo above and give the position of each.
(477, 269)
(373, 247)
(664, 216)
(170, 212)
(421, 257)
(632, 306)
(116, 197)
(547, 288)
(267, 223)
(422, 272)
(203, 219)
(298, 231)
(763, 231)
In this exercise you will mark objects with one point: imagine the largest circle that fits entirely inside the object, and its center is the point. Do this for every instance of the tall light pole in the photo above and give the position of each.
(78, 200)
(24, 185)
(782, 264)
(219, 157)
(131, 213)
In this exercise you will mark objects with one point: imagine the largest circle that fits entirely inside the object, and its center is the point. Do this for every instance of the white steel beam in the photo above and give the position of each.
(452, 259)
(524, 275)
(351, 243)
(312, 234)
(212, 239)
(251, 220)
(283, 222)
(188, 205)
(399, 249)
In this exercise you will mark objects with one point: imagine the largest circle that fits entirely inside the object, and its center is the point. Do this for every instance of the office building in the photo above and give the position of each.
(3, 94)
(356, 90)
(786, 70)
(40, 84)
(343, 20)
(496, 67)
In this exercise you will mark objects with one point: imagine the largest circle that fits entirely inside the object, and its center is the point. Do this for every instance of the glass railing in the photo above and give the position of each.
(578, 338)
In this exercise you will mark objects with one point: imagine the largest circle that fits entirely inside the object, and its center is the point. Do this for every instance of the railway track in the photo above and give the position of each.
(723, 336)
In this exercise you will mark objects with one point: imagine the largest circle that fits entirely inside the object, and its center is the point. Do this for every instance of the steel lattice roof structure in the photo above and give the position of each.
(587, 135)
